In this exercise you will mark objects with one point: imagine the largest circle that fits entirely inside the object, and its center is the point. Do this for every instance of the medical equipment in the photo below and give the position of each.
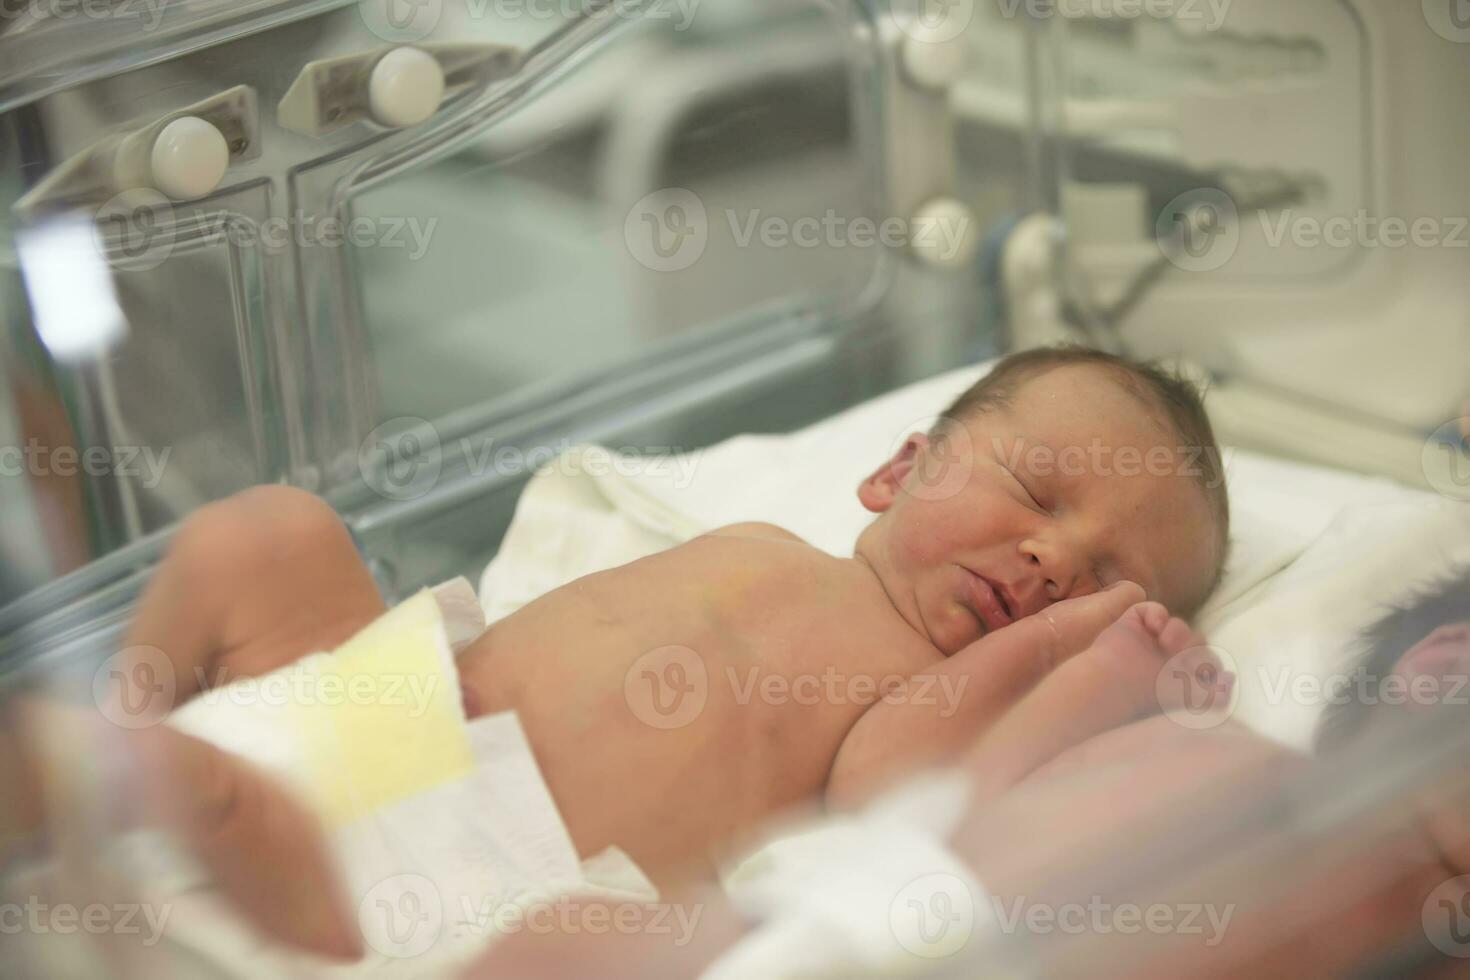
(349, 299)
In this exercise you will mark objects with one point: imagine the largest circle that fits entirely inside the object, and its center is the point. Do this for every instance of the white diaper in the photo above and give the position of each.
(876, 893)
(443, 829)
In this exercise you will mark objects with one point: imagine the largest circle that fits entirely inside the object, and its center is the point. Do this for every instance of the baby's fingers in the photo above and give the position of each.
(1063, 630)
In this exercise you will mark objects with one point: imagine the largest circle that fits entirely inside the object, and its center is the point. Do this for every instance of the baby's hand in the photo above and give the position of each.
(1129, 655)
(1144, 663)
(901, 734)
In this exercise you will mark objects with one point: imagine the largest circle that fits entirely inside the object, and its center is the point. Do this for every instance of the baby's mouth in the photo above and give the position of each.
(988, 603)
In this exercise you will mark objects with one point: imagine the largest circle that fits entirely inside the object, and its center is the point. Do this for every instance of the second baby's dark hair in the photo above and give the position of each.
(1439, 603)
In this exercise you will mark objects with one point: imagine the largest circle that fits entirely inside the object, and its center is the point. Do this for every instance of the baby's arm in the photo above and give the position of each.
(915, 726)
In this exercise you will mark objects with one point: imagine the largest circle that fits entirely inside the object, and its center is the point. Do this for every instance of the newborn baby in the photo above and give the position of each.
(1060, 493)
(976, 533)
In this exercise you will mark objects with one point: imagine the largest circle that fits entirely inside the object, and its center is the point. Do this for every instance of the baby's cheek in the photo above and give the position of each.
(925, 538)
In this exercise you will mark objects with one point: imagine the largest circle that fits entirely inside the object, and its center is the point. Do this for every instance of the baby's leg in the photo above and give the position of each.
(264, 850)
(1114, 682)
(249, 584)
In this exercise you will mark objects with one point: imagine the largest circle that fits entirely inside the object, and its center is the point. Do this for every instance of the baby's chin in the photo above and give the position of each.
(953, 628)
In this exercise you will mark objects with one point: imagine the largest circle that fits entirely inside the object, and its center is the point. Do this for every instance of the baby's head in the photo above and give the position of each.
(1061, 472)
(1416, 657)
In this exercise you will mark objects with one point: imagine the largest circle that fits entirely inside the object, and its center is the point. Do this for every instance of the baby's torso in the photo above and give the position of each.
(675, 701)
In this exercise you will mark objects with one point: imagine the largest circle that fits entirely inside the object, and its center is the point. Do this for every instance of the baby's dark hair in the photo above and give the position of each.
(1378, 650)
(1157, 387)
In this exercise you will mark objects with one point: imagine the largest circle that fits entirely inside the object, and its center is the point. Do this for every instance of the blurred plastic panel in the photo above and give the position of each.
(702, 168)
(45, 47)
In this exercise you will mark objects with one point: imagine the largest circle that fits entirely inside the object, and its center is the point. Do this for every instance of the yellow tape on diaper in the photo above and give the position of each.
(394, 724)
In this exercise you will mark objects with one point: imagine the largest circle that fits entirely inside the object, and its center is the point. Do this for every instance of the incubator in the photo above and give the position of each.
(405, 253)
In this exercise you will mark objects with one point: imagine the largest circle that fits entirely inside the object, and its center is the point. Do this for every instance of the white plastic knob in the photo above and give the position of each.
(189, 158)
(934, 60)
(944, 234)
(405, 87)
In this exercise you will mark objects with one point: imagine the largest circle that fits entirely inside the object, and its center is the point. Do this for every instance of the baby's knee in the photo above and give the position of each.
(257, 529)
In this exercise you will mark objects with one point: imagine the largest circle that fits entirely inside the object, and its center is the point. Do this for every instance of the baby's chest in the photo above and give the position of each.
(811, 640)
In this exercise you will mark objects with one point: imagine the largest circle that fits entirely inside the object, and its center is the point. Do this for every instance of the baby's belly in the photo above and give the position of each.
(664, 744)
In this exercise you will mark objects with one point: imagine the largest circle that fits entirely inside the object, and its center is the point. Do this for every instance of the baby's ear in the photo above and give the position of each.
(878, 492)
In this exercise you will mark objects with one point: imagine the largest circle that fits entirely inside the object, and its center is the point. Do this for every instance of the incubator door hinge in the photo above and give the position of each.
(183, 155)
(392, 87)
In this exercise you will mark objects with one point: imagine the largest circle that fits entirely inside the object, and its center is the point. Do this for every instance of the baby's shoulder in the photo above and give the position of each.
(757, 530)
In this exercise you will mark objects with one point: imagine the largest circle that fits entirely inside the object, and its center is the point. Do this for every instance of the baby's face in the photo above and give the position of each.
(1074, 486)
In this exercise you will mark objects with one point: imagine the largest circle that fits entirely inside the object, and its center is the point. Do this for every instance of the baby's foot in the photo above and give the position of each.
(1128, 673)
(1160, 661)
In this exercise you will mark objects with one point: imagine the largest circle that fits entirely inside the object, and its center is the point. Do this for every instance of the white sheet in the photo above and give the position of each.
(1364, 540)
